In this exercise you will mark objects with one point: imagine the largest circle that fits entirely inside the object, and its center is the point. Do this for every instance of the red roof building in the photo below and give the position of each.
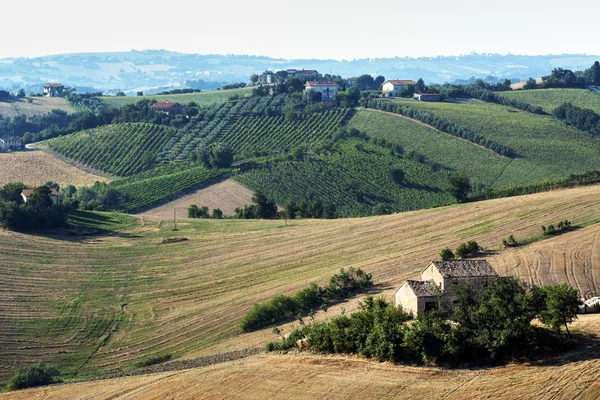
(26, 195)
(167, 107)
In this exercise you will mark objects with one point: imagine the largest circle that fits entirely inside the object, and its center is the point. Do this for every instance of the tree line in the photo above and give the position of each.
(579, 118)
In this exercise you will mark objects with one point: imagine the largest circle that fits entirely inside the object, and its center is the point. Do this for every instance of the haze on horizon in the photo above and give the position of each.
(331, 29)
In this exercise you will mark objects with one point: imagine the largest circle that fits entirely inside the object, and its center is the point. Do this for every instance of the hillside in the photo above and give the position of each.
(93, 305)
(201, 98)
(549, 99)
(38, 106)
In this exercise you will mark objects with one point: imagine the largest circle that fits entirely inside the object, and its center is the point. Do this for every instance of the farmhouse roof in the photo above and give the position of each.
(464, 268)
(428, 94)
(401, 82)
(424, 288)
(13, 139)
(167, 105)
(53, 85)
(302, 71)
(320, 83)
(29, 192)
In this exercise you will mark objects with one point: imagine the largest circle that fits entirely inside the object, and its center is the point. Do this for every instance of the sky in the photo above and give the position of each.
(325, 29)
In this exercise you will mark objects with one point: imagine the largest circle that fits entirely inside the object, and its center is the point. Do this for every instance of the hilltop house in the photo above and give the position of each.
(53, 89)
(301, 72)
(268, 79)
(167, 107)
(352, 82)
(393, 88)
(427, 97)
(437, 281)
(11, 143)
(26, 195)
(327, 89)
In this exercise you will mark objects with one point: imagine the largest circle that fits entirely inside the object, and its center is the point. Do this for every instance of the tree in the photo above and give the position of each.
(459, 186)
(294, 85)
(381, 209)
(530, 84)
(446, 254)
(365, 82)
(217, 213)
(140, 93)
(21, 93)
(192, 211)
(462, 251)
(420, 86)
(266, 208)
(596, 73)
(562, 302)
(378, 82)
(253, 78)
(38, 374)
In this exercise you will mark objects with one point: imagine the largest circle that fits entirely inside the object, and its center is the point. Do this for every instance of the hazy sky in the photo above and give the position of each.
(301, 29)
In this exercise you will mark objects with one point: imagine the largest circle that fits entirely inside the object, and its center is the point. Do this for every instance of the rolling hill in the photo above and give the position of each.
(549, 99)
(92, 305)
(38, 106)
(201, 98)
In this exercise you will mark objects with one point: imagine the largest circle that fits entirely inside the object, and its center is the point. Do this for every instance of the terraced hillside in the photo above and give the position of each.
(101, 304)
(201, 98)
(37, 106)
(546, 148)
(549, 99)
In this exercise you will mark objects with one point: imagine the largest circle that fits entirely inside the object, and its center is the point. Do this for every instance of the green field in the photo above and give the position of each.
(355, 177)
(121, 149)
(549, 99)
(546, 148)
(201, 98)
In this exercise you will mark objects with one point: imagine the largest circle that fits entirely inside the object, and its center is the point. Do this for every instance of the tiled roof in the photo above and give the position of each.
(424, 288)
(402, 82)
(29, 192)
(163, 105)
(464, 268)
(53, 85)
(320, 83)
(302, 71)
(428, 94)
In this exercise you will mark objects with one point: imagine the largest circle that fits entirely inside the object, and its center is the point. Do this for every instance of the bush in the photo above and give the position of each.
(154, 361)
(562, 227)
(446, 254)
(38, 374)
(510, 242)
(466, 250)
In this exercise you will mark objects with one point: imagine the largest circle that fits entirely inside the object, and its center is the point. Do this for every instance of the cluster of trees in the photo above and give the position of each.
(215, 155)
(39, 212)
(579, 118)
(565, 78)
(464, 250)
(262, 208)
(367, 82)
(38, 374)
(234, 86)
(281, 307)
(181, 91)
(98, 197)
(442, 124)
(459, 186)
(510, 242)
(492, 325)
(308, 209)
(561, 227)
(202, 212)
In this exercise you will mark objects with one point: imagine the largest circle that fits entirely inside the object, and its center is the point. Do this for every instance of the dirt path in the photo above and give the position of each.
(430, 127)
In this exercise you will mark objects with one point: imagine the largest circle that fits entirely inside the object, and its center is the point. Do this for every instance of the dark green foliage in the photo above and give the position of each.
(595, 78)
(562, 302)
(217, 213)
(510, 242)
(281, 307)
(530, 84)
(216, 155)
(154, 361)
(459, 186)
(562, 78)
(381, 209)
(38, 213)
(446, 254)
(562, 227)
(197, 212)
(492, 97)
(34, 375)
(579, 118)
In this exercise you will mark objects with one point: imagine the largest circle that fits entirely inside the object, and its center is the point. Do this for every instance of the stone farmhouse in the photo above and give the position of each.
(268, 79)
(301, 72)
(167, 107)
(11, 143)
(53, 89)
(26, 195)
(393, 88)
(438, 280)
(427, 97)
(327, 89)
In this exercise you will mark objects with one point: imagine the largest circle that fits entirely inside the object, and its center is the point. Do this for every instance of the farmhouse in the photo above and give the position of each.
(301, 72)
(11, 143)
(427, 97)
(352, 82)
(167, 107)
(393, 88)
(438, 280)
(268, 79)
(26, 195)
(53, 89)
(327, 89)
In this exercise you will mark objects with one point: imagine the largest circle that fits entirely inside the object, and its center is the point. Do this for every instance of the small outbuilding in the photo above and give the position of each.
(439, 279)
(427, 97)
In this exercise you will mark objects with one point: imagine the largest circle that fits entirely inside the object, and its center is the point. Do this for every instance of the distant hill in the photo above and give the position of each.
(154, 70)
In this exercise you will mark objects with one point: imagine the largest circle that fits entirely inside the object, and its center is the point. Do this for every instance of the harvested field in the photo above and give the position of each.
(519, 85)
(38, 106)
(35, 167)
(573, 375)
(226, 195)
(102, 304)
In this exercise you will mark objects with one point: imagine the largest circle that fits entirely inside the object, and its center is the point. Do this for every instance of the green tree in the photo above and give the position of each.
(596, 73)
(266, 208)
(459, 186)
(365, 82)
(192, 211)
(420, 86)
(381, 209)
(253, 78)
(446, 254)
(21, 93)
(140, 93)
(217, 213)
(38, 374)
(462, 251)
(562, 302)
(530, 84)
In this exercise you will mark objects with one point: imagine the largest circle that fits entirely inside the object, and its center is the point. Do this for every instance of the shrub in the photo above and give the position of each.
(510, 242)
(446, 254)
(154, 361)
(34, 375)
(462, 251)
(563, 226)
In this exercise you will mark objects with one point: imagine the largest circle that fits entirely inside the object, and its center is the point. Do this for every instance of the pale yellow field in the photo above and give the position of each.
(274, 376)
(35, 167)
(227, 195)
(38, 106)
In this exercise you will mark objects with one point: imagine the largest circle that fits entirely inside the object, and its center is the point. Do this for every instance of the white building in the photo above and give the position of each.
(327, 89)
(393, 88)
(53, 89)
(11, 143)
(26, 195)
(301, 72)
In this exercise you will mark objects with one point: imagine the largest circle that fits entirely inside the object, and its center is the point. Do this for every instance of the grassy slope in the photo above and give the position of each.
(546, 148)
(549, 99)
(102, 304)
(354, 179)
(445, 149)
(202, 98)
(38, 106)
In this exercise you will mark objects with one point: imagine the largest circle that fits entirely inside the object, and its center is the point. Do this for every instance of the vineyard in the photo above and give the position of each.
(546, 148)
(355, 177)
(161, 184)
(123, 149)
(549, 99)
(202, 98)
